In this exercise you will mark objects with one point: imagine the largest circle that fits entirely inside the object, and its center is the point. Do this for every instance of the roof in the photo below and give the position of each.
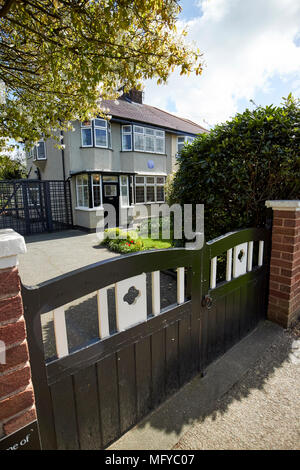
(130, 110)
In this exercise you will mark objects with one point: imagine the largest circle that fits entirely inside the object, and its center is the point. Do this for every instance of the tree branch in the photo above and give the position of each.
(6, 7)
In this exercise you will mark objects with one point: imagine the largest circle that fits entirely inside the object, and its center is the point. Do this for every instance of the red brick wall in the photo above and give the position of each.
(284, 288)
(16, 393)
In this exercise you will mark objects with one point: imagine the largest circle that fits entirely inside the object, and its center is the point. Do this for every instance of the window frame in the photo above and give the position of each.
(155, 134)
(93, 127)
(78, 186)
(145, 184)
(100, 190)
(83, 126)
(123, 186)
(123, 133)
(185, 137)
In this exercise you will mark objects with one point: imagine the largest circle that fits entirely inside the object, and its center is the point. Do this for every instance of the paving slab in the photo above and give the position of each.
(248, 399)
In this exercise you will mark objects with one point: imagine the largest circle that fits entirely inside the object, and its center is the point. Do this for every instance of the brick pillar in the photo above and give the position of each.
(17, 407)
(284, 287)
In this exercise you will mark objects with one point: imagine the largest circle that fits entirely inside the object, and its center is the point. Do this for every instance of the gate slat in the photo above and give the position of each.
(158, 352)
(155, 292)
(87, 405)
(60, 331)
(172, 379)
(185, 344)
(143, 376)
(109, 399)
(65, 414)
(127, 387)
(220, 326)
(180, 286)
(103, 313)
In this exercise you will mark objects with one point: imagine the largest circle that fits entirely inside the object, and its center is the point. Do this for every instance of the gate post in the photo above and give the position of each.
(17, 406)
(284, 287)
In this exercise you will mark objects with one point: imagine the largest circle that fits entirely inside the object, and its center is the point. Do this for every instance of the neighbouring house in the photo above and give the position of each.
(123, 161)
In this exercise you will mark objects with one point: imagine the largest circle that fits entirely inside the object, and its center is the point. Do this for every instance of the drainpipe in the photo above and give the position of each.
(63, 155)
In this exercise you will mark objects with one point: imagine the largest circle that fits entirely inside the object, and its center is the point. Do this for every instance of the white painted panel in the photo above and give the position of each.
(261, 253)
(136, 312)
(60, 332)
(240, 264)
(213, 272)
(250, 256)
(156, 292)
(229, 265)
(103, 313)
(180, 285)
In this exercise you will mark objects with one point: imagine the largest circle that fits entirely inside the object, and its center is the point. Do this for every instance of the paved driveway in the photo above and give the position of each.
(51, 255)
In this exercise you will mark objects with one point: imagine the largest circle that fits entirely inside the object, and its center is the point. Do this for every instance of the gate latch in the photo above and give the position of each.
(207, 301)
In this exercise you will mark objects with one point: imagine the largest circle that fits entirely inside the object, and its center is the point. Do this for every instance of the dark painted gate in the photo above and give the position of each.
(33, 206)
(87, 397)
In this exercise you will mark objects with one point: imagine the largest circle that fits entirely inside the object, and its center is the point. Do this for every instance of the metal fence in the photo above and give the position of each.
(31, 206)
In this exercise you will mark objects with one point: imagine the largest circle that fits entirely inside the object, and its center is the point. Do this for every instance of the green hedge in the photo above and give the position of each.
(239, 165)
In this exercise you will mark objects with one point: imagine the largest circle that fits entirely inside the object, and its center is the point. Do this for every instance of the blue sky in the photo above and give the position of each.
(251, 50)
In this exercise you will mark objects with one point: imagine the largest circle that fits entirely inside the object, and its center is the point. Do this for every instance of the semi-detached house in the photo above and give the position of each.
(122, 162)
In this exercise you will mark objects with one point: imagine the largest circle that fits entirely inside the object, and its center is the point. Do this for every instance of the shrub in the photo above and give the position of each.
(241, 164)
(122, 242)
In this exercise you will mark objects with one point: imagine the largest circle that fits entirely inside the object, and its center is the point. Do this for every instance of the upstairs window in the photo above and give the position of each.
(143, 139)
(126, 138)
(96, 133)
(38, 152)
(182, 140)
(87, 134)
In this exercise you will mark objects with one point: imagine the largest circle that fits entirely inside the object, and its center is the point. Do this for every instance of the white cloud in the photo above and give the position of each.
(246, 45)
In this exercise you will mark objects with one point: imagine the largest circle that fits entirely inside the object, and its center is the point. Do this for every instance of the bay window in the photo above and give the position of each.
(149, 189)
(96, 133)
(38, 152)
(96, 190)
(82, 191)
(86, 134)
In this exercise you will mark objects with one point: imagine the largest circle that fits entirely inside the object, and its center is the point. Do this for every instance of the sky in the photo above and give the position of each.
(251, 50)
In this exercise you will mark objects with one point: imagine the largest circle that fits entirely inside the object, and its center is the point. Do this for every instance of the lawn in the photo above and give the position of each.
(122, 241)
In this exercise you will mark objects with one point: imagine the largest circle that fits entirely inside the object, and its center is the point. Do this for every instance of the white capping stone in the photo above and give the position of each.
(12, 244)
(284, 205)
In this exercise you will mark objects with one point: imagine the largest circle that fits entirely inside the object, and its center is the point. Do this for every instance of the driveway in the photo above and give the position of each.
(51, 255)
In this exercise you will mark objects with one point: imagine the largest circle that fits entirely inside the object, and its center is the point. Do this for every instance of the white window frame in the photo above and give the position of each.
(106, 128)
(145, 184)
(85, 126)
(122, 186)
(33, 152)
(157, 135)
(100, 190)
(186, 138)
(93, 127)
(77, 191)
(131, 138)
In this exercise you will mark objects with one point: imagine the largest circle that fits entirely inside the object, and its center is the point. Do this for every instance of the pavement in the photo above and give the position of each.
(247, 400)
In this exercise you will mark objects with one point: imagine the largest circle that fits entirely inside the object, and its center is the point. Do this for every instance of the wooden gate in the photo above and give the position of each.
(88, 397)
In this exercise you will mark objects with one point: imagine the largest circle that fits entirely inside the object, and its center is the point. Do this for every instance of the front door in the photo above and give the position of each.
(111, 197)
